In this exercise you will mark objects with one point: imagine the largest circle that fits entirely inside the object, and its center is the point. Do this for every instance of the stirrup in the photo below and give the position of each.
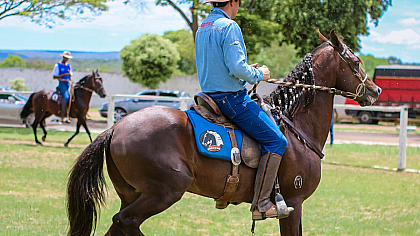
(283, 211)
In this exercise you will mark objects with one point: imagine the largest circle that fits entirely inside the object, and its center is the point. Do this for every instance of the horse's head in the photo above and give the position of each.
(350, 77)
(96, 83)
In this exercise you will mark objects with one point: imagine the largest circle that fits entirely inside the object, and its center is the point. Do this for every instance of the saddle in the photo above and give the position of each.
(249, 154)
(250, 149)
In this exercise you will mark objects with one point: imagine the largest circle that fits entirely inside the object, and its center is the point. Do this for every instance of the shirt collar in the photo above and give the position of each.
(217, 10)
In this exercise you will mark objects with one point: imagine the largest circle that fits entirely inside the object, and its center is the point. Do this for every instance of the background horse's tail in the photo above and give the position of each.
(85, 188)
(27, 109)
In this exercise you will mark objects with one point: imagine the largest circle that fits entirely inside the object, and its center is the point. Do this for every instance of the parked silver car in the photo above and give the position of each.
(127, 106)
(11, 104)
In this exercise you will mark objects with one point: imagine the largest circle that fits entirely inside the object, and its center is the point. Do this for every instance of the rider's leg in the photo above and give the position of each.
(64, 86)
(252, 119)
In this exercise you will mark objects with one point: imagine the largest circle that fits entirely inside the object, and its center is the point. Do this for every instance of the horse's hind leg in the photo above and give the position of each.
(42, 124)
(155, 197)
(34, 126)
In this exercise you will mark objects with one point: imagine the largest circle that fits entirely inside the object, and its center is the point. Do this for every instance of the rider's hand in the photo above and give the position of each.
(254, 65)
(266, 72)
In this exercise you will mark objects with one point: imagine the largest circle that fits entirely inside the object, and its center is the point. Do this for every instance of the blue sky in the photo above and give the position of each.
(398, 32)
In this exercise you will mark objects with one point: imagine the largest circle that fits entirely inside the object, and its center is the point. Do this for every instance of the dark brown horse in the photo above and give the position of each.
(42, 104)
(153, 160)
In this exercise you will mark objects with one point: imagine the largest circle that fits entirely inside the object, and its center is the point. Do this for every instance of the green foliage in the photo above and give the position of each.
(89, 64)
(37, 63)
(300, 20)
(13, 61)
(46, 12)
(18, 84)
(279, 59)
(186, 49)
(149, 60)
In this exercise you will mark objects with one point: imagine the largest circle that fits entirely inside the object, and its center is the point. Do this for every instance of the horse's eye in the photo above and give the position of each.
(357, 63)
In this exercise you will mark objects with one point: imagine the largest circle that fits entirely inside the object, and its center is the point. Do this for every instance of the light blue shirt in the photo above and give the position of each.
(221, 55)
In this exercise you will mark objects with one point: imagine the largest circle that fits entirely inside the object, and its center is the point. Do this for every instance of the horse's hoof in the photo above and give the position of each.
(66, 145)
(39, 143)
(43, 138)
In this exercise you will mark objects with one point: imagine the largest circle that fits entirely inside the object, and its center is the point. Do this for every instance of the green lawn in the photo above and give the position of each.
(352, 198)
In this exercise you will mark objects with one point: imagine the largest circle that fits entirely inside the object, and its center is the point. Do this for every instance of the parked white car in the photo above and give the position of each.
(11, 104)
(128, 106)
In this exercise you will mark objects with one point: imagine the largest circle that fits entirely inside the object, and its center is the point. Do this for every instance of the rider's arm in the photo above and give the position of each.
(55, 72)
(234, 53)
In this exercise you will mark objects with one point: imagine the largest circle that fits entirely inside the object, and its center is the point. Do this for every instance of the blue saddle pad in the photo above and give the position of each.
(212, 140)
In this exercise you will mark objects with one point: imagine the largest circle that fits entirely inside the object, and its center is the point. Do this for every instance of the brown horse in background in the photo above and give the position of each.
(42, 104)
(152, 158)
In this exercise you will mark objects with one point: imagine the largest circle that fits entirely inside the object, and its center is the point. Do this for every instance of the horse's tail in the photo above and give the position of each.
(85, 187)
(27, 109)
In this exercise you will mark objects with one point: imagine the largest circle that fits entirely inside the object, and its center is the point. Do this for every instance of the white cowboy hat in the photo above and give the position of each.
(66, 54)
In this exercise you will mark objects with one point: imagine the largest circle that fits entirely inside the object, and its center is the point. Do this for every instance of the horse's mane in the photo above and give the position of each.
(288, 100)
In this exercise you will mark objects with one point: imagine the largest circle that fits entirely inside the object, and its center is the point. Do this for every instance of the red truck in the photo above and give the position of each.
(400, 86)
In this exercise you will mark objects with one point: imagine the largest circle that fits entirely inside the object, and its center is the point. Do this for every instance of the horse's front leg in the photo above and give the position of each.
(79, 123)
(86, 128)
(291, 226)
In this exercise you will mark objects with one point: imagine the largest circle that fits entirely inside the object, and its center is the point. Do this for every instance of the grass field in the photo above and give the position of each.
(352, 198)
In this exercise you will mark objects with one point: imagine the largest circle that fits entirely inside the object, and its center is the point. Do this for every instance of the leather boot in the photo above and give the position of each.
(63, 111)
(262, 207)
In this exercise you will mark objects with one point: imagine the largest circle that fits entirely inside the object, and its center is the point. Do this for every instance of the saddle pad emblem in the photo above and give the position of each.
(54, 97)
(211, 141)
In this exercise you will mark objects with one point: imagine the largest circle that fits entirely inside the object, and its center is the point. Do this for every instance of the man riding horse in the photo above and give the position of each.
(62, 71)
(223, 71)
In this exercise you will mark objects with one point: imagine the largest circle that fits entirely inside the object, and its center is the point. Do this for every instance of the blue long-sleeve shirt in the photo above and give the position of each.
(221, 55)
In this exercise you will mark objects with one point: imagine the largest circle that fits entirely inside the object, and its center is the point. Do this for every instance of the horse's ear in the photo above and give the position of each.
(322, 38)
(335, 40)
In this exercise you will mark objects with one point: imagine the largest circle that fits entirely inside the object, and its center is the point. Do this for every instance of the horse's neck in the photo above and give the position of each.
(315, 120)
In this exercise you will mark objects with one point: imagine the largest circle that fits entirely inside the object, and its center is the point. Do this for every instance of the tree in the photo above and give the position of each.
(45, 12)
(13, 61)
(18, 84)
(299, 20)
(149, 60)
(185, 47)
(280, 59)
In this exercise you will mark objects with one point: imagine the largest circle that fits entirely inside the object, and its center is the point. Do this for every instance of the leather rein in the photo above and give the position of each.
(360, 90)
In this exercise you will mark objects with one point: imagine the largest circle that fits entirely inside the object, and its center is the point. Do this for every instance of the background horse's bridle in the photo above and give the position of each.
(89, 89)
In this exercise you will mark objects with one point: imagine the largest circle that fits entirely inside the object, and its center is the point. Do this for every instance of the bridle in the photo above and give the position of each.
(89, 89)
(361, 88)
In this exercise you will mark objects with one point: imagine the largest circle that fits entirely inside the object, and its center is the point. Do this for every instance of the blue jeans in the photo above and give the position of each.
(239, 108)
(64, 89)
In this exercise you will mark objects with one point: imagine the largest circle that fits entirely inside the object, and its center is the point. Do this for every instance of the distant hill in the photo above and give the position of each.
(26, 54)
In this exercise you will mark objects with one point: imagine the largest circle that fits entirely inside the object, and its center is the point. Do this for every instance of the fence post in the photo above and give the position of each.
(111, 108)
(402, 150)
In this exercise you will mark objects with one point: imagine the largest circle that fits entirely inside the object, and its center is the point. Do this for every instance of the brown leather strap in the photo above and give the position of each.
(232, 180)
(303, 137)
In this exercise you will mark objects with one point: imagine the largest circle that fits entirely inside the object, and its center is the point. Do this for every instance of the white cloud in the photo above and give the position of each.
(406, 37)
(409, 21)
